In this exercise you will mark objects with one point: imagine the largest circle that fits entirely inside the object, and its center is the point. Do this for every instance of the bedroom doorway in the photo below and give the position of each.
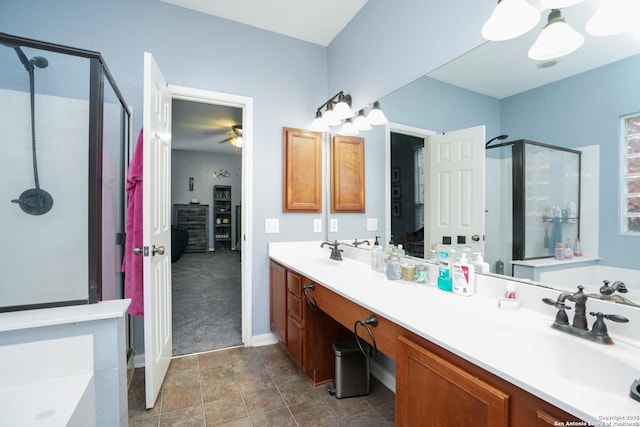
(207, 192)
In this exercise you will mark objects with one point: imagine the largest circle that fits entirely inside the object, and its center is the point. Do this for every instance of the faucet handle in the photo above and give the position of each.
(557, 304)
(599, 327)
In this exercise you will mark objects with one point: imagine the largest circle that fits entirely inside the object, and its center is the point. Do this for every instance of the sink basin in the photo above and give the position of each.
(587, 365)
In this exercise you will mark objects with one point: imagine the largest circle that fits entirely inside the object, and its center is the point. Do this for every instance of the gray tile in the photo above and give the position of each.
(263, 401)
(280, 417)
(313, 413)
(187, 417)
(224, 411)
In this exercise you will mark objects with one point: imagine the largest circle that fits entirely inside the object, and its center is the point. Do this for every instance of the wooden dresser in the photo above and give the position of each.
(195, 218)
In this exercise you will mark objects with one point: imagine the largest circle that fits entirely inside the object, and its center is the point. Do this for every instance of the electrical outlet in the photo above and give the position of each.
(333, 225)
(317, 225)
(272, 225)
(372, 224)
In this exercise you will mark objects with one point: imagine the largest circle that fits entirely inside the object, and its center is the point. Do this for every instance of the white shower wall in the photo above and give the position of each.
(44, 258)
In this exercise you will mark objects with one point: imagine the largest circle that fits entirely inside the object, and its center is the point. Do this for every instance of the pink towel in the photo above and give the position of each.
(132, 264)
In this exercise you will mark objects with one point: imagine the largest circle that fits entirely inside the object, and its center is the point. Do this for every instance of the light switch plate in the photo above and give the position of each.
(272, 225)
(372, 224)
(333, 225)
(317, 225)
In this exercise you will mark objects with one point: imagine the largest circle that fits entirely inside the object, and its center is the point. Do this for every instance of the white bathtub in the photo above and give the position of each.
(48, 383)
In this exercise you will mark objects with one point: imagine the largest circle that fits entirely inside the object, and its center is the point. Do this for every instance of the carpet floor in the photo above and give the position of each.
(207, 305)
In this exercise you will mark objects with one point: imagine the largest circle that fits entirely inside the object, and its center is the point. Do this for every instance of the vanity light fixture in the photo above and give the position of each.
(510, 19)
(613, 17)
(376, 116)
(361, 122)
(556, 39)
(319, 125)
(338, 108)
(348, 129)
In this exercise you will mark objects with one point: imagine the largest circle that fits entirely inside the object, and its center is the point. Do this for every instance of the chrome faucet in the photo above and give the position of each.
(363, 242)
(336, 254)
(579, 327)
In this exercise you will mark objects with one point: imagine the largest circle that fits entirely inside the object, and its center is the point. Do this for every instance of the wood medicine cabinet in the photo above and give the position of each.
(347, 174)
(302, 174)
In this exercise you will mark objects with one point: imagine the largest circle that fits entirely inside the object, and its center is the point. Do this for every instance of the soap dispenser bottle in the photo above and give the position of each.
(393, 268)
(463, 277)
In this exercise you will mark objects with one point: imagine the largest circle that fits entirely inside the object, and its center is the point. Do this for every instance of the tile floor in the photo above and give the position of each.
(259, 386)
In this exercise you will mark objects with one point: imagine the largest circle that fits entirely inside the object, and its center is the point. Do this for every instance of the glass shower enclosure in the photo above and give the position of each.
(65, 131)
(532, 201)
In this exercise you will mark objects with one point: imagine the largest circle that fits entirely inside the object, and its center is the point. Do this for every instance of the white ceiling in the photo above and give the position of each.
(315, 21)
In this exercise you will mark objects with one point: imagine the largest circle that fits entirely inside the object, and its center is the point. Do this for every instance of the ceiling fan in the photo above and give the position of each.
(234, 132)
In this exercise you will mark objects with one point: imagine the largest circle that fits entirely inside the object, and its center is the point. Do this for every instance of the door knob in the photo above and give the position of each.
(159, 250)
(138, 251)
(475, 238)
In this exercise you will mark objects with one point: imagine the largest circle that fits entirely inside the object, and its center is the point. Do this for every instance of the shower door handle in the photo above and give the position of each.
(159, 250)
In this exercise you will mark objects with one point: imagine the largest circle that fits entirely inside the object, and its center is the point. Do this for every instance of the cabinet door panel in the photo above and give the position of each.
(302, 174)
(431, 391)
(295, 340)
(278, 306)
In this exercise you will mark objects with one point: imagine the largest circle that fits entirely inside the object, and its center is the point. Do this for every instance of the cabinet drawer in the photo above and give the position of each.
(294, 283)
(346, 312)
(294, 306)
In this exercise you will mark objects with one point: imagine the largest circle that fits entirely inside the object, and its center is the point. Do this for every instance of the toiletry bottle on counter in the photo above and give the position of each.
(577, 248)
(393, 268)
(445, 261)
(463, 277)
(374, 256)
(499, 267)
(559, 253)
(480, 265)
(568, 252)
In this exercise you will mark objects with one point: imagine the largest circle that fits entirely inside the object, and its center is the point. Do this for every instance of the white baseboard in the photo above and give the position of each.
(138, 360)
(261, 340)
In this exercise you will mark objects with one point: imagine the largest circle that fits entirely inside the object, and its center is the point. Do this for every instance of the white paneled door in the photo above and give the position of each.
(156, 228)
(455, 183)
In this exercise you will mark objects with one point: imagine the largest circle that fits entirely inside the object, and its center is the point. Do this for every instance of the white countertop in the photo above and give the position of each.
(518, 346)
(61, 315)
(552, 262)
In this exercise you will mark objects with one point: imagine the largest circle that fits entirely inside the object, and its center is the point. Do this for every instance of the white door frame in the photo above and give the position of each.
(405, 130)
(246, 103)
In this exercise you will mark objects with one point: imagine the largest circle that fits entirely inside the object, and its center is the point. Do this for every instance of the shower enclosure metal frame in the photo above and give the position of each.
(99, 72)
(519, 194)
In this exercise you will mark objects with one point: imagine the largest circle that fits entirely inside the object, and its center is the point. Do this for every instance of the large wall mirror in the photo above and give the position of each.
(576, 103)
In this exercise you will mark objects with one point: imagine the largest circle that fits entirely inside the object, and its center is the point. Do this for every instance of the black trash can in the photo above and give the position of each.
(352, 371)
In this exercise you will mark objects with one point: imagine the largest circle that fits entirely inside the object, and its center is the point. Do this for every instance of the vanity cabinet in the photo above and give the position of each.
(306, 334)
(278, 295)
(440, 388)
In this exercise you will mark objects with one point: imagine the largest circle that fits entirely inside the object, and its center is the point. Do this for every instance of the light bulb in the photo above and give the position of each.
(318, 124)
(361, 122)
(376, 116)
(556, 39)
(510, 19)
(348, 129)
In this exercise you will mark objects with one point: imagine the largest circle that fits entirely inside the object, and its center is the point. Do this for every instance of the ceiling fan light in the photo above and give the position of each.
(613, 17)
(376, 116)
(556, 39)
(348, 129)
(558, 4)
(510, 19)
(318, 124)
(361, 122)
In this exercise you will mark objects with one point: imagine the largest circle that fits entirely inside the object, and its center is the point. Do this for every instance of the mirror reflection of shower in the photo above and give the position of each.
(33, 201)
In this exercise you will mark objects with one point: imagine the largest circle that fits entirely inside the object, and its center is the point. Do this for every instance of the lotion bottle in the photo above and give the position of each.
(463, 277)
(479, 264)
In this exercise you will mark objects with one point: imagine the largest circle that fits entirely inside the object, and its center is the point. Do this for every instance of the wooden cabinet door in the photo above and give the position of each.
(347, 174)
(431, 391)
(278, 304)
(302, 171)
